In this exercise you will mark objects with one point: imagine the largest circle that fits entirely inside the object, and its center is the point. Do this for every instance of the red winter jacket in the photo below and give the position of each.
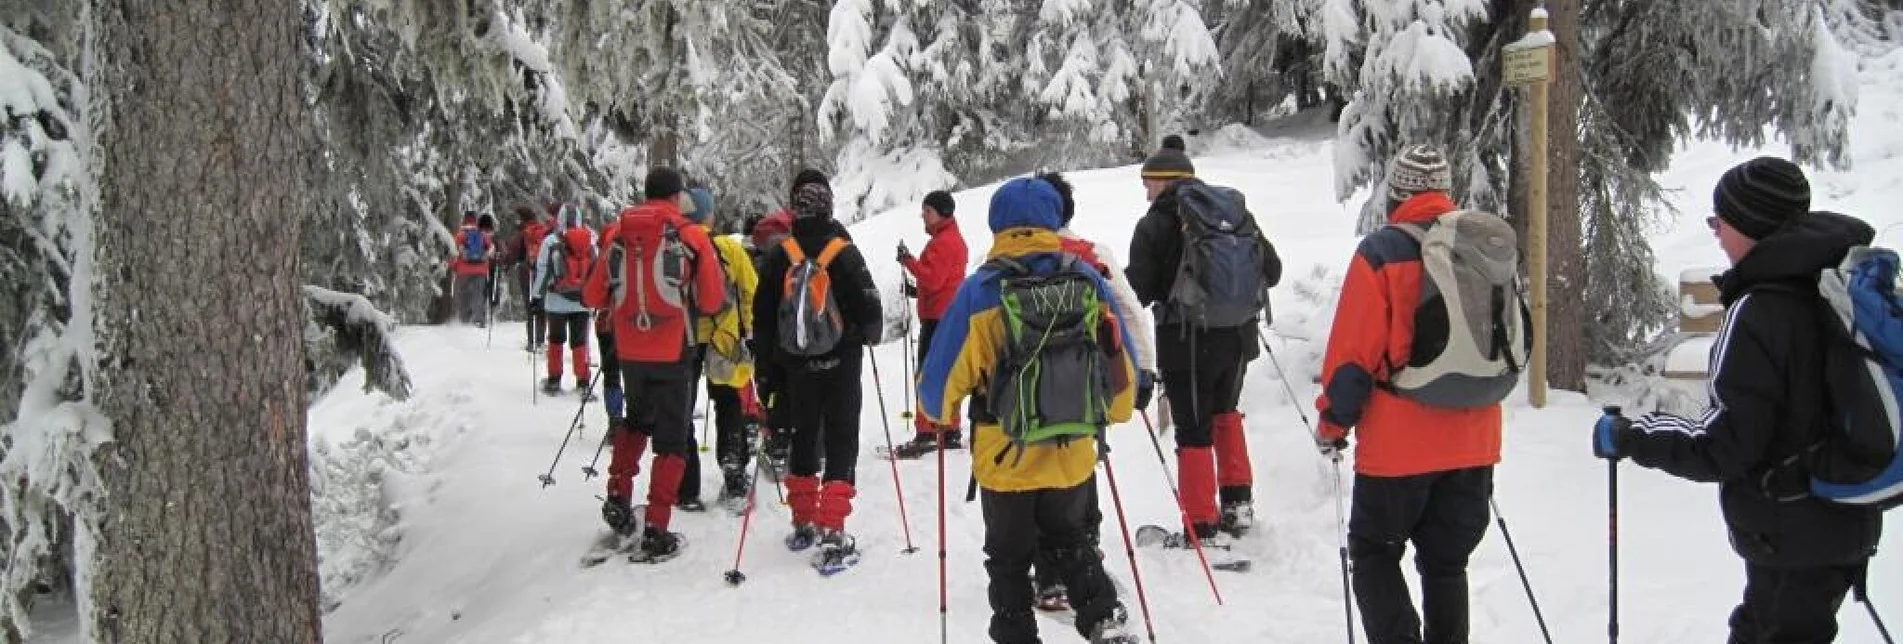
(1374, 329)
(939, 270)
(663, 342)
(467, 269)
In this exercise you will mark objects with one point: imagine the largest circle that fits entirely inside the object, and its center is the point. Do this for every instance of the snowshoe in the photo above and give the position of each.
(919, 447)
(838, 552)
(1216, 547)
(552, 386)
(1053, 598)
(803, 537)
(610, 544)
(1237, 519)
(658, 546)
(587, 395)
(1114, 629)
(733, 491)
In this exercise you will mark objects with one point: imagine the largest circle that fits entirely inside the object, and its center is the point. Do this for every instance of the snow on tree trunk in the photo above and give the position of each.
(208, 171)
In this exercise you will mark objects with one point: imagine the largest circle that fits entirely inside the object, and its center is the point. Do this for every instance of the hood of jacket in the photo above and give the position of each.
(1026, 203)
(1796, 254)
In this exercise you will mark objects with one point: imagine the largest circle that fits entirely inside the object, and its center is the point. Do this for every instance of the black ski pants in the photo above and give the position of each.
(568, 328)
(1792, 605)
(657, 404)
(823, 399)
(537, 322)
(730, 427)
(1444, 514)
(1057, 528)
(1210, 384)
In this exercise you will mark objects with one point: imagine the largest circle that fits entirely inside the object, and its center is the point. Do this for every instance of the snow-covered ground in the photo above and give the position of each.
(486, 554)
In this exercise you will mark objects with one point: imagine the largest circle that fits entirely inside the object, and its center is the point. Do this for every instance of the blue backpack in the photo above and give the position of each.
(1219, 282)
(475, 246)
(1857, 462)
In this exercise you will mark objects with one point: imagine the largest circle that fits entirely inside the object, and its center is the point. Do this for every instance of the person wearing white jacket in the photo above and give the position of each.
(573, 245)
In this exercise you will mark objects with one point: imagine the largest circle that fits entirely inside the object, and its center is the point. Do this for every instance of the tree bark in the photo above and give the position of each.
(207, 178)
(1566, 318)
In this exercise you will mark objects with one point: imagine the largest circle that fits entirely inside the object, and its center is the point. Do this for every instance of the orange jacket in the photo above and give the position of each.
(1373, 331)
(663, 341)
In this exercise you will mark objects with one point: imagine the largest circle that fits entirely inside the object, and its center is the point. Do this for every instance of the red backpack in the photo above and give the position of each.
(533, 234)
(569, 261)
(651, 287)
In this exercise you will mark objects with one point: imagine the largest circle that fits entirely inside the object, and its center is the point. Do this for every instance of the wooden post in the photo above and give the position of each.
(1529, 62)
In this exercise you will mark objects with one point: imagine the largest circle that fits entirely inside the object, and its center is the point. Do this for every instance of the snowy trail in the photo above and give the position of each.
(488, 555)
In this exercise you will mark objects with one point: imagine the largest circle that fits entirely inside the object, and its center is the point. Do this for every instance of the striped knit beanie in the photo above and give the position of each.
(1760, 196)
(1418, 168)
(1169, 163)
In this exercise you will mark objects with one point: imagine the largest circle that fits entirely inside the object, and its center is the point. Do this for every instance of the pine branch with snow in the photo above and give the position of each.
(346, 327)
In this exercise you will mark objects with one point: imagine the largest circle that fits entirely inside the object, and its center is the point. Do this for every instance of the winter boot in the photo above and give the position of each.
(1053, 597)
(552, 386)
(1238, 517)
(658, 545)
(804, 536)
(1113, 629)
(838, 551)
(920, 446)
(734, 486)
(619, 516)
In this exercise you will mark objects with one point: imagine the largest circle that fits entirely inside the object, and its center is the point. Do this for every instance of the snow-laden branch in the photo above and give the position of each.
(364, 333)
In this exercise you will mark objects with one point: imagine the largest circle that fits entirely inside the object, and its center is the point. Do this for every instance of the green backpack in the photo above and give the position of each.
(1054, 375)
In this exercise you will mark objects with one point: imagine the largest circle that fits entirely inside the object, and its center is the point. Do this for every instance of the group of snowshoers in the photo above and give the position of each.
(1028, 360)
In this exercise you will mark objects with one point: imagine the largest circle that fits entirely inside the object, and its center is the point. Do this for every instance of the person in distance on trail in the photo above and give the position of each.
(474, 249)
(1209, 297)
(815, 313)
(522, 249)
(1771, 406)
(652, 317)
(726, 359)
(561, 270)
(935, 274)
(487, 224)
(1033, 309)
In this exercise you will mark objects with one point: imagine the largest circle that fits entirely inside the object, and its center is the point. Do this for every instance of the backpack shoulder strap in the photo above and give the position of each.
(794, 256)
(1414, 231)
(834, 247)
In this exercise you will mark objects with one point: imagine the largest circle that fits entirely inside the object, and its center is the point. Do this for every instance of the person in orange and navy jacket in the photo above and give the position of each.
(1422, 474)
(936, 273)
(1044, 499)
(655, 351)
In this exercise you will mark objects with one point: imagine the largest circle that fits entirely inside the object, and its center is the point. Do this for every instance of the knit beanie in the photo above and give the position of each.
(813, 201)
(701, 201)
(1760, 196)
(804, 177)
(1169, 163)
(1418, 168)
(942, 202)
(662, 183)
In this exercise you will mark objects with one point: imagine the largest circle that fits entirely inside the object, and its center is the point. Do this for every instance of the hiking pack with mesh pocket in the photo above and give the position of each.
(1054, 378)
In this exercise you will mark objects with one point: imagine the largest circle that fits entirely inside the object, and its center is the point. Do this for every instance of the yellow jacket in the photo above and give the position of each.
(726, 330)
(965, 351)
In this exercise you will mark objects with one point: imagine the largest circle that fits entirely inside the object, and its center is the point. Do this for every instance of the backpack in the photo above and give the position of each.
(651, 273)
(810, 323)
(568, 263)
(1468, 347)
(1053, 379)
(1219, 281)
(722, 368)
(534, 233)
(1858, 461)
(475, 246)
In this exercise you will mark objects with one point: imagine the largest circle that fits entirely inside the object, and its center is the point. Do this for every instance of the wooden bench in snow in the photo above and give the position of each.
(1699, 316)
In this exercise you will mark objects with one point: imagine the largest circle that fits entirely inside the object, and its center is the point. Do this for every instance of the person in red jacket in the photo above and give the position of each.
(936, 275)
(1422, 474)
(653, 324)
(474, 249)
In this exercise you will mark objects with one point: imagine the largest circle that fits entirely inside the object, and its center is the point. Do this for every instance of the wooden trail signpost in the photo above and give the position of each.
(1528, 62)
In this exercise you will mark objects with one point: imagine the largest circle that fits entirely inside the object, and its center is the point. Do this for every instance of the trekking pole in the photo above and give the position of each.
(535, 393)
(735, 577)
(906, 414)
(1130, 550)
(1612, 542)
(885, 421)
(1194, 540)
(706, 420)
(549, 478)
(1526, 584)
(943, 633)
(1862, 593)
(1341, 519)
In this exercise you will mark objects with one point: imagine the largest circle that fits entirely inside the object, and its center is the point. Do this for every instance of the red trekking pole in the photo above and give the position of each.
(1130, 551)
(1194, 540)
(735, 577)
(886, 422)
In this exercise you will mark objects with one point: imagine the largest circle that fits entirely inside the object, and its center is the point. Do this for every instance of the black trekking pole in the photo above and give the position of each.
(885, 421)
(1862, 594)
(573, 425)
(1612, 541)
(1130, 550)
(1181, 512)
(1525, 583)
(906, 414)
(1341, 518)
(943, 612)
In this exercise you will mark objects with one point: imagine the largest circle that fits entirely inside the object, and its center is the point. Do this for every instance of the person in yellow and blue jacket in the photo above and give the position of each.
(1039, 498)
(725, 359)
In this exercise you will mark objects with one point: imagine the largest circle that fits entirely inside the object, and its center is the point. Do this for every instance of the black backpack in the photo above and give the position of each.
(1054, 377)
(1219, 281)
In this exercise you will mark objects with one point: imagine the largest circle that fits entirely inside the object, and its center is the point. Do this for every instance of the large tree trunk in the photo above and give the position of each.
(1566, 317)
(208, 168)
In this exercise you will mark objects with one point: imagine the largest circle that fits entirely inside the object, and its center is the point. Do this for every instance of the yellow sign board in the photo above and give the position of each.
(1529, 65)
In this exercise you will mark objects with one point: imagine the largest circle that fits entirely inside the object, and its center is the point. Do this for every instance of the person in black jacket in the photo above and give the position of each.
(1202, 366)
(1768, 404)
(827, 388)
